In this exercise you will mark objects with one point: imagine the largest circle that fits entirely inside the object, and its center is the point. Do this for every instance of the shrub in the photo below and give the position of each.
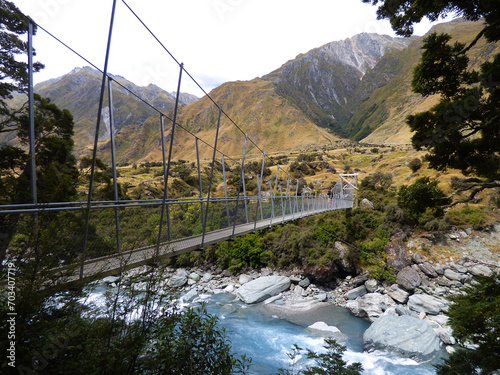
(466, 216)
(424, 194)
(415, 165)
(475, 319)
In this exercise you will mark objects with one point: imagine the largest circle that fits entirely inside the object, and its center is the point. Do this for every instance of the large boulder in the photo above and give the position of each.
(178, 280)
(482, 270)
(427, 304)
(408, 278)
(324, 330)
(398, 256)
(405, 335)
(428, 270)
(371, 306)
(360, 291)
(397, 294)
(365, 203)
(343, 259)
(262, 288)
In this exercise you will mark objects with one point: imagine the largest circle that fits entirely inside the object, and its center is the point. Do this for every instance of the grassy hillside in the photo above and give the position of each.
(268, 119)
(382, 117)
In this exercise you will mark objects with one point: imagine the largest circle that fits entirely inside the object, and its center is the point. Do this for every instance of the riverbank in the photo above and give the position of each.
(414, 307)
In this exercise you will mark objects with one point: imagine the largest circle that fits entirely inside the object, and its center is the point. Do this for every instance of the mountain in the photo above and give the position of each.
(79, 92)
(381, 115)
(358, 88)
(361, 87)
(323, 81)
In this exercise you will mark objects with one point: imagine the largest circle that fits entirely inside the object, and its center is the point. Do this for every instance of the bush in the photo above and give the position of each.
(415, 165)
(424, 194)
(71, 337)
(475, 320)
(330, 362)
(466, 216)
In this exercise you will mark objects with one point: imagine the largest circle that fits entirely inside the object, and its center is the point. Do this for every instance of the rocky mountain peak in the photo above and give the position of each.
(362, 51)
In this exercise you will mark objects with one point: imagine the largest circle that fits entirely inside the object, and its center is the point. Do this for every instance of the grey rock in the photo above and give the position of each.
(324, 330)
(370, 306)
(359, 280)
(443, 281)
(110, 280)
(356, 292)
(322, 297)
(371, 285)
(406, 335)
(229, 288)
(398, 256)
(207, 276)
(440, 291)
(408, 278)
(194, 276)
(243, 279)
(440, 320)
(343, 257)
(273, 299)
(178, 280)
(365, 203)
(189, 296)
(304, 283)
(482, 270)
(417, 258)
(452, 275)
(428, 270)
(295, 279)
(262, 288)
(397, 294)
(298, 290)
(446, 335)
(266, 271)
(439, 270)
(459, 268)
(428, 304)
(404, 311)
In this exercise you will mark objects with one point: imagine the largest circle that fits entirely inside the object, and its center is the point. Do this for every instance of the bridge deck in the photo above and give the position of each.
(116, 263)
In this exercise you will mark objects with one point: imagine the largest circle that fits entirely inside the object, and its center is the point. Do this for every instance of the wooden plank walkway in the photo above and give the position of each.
(116, 263)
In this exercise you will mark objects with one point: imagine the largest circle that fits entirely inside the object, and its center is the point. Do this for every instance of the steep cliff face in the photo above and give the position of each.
(321, 82)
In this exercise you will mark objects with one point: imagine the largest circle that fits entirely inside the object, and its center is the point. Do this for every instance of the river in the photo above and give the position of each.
(267, 339)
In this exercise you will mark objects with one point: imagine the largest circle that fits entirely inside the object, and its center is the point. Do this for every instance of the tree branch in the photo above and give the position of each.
(476, 188)
(476, 39)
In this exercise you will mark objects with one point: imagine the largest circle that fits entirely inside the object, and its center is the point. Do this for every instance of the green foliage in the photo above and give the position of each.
(13, 25)
(466, 216)
(307, 157)
(192, 343)
(475, 319)
(377, 181)
(56, 171)
(327, 363)
(415, 165)
(422, 195)
(461, 131)
(243, 252)
(137, 331)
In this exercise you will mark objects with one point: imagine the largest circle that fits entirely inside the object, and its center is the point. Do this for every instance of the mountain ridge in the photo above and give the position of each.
(358, 88)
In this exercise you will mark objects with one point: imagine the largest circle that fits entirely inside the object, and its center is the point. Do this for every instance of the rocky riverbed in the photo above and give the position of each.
(407, 317)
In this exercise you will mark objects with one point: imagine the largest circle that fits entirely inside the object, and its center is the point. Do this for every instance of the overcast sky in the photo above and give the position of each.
(217, 40)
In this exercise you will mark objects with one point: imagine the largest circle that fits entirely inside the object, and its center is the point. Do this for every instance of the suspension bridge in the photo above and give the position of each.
(107, 237)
